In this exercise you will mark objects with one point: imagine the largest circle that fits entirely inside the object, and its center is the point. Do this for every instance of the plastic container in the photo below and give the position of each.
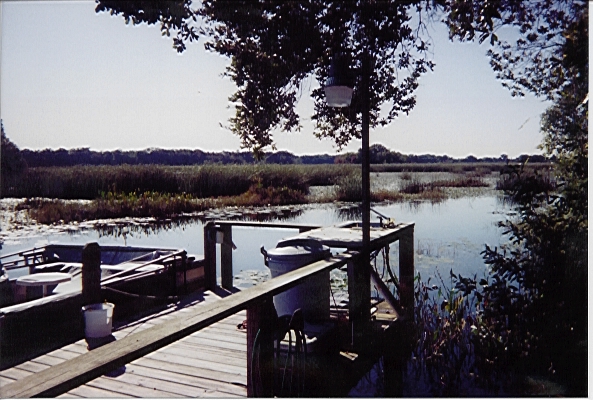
(98, 320)
(312, 296)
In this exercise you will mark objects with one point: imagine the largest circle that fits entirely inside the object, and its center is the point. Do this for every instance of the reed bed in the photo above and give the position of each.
(90, 182)
(349, 188)
(416, 186)
(152, 204)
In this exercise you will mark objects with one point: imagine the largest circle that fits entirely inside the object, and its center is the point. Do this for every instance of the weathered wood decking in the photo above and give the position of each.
(208, 363)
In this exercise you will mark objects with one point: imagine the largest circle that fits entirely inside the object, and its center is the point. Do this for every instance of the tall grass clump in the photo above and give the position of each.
(515, 178)
(114, 205)
(461, 181)
(349, 188)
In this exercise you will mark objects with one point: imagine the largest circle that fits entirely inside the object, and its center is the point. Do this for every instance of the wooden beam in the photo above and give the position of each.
(351, 238)
(384, 290)
(359, 300)
(91, 274)
(406, 271)
(210, 255)
(226, 257)
(260, 348)
(278, 225)
(73, 373)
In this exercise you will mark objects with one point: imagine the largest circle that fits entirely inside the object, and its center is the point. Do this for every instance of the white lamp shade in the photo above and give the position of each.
(338, 96)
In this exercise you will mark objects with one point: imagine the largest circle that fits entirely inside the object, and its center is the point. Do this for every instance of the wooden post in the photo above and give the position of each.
(406, 271)
(260, 348)
(184, 266)
(226, 257)
(359, 299)
(91, 274)
(210, 255)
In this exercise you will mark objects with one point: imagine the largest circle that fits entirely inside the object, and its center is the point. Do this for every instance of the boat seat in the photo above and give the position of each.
(51, 267)
(113, 269)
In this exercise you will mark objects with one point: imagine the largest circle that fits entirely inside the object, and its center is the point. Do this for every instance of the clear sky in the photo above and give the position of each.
(71, 78)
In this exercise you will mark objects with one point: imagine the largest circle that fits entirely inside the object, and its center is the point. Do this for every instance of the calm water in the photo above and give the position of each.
(449, 235)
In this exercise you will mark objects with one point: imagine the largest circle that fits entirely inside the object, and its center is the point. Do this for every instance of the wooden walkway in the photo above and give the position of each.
(209, 363)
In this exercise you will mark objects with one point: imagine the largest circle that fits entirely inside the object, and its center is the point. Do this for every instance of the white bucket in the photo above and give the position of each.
(312, 295)
(98, 320)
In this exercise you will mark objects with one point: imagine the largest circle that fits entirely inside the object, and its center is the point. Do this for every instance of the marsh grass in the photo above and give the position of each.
(349, 189)
(166, 192)
(417, 186)
(89, 182)
(153, 204)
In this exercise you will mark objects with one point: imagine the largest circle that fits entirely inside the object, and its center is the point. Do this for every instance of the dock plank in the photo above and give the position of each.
(155, 382)
(191, 380)
(215, 350)
(32, 366)
(212, 365)
(199, 356)
(126, 385)
(15, 373)
(195, 371)
(5, 381)
(48, 360)
(69, 396)
(90, 392)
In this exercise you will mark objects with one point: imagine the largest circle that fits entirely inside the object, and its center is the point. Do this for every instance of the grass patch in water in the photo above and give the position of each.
(349, 189)
(152, 204)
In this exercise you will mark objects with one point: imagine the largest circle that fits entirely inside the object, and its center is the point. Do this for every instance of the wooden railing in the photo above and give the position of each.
(28, 258)
(73, 373)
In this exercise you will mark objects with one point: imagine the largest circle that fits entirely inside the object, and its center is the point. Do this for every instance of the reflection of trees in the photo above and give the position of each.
(352, 211)
(154, 227)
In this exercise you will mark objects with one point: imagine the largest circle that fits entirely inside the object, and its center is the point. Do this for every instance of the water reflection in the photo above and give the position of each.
(129, 227)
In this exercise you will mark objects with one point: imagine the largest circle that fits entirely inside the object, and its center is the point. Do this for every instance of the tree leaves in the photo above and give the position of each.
(275, 46)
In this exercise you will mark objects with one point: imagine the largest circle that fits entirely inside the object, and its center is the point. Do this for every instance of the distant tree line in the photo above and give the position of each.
(379, 155)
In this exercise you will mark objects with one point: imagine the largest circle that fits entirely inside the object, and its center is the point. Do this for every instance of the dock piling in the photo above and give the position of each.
(226, 257)
(406, 271)
(91, 274)
(210, 255)
(261, 318)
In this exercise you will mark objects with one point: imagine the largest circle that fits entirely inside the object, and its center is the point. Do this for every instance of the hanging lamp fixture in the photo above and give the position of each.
(339, 86)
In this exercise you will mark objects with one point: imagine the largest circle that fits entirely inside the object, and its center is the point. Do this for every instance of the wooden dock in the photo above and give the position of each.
(208, 363)
(194, 348)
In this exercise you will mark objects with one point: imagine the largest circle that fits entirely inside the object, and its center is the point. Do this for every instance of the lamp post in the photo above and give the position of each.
(339, 94)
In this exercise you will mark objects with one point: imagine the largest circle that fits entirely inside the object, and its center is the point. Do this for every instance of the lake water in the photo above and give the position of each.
(448, 235)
